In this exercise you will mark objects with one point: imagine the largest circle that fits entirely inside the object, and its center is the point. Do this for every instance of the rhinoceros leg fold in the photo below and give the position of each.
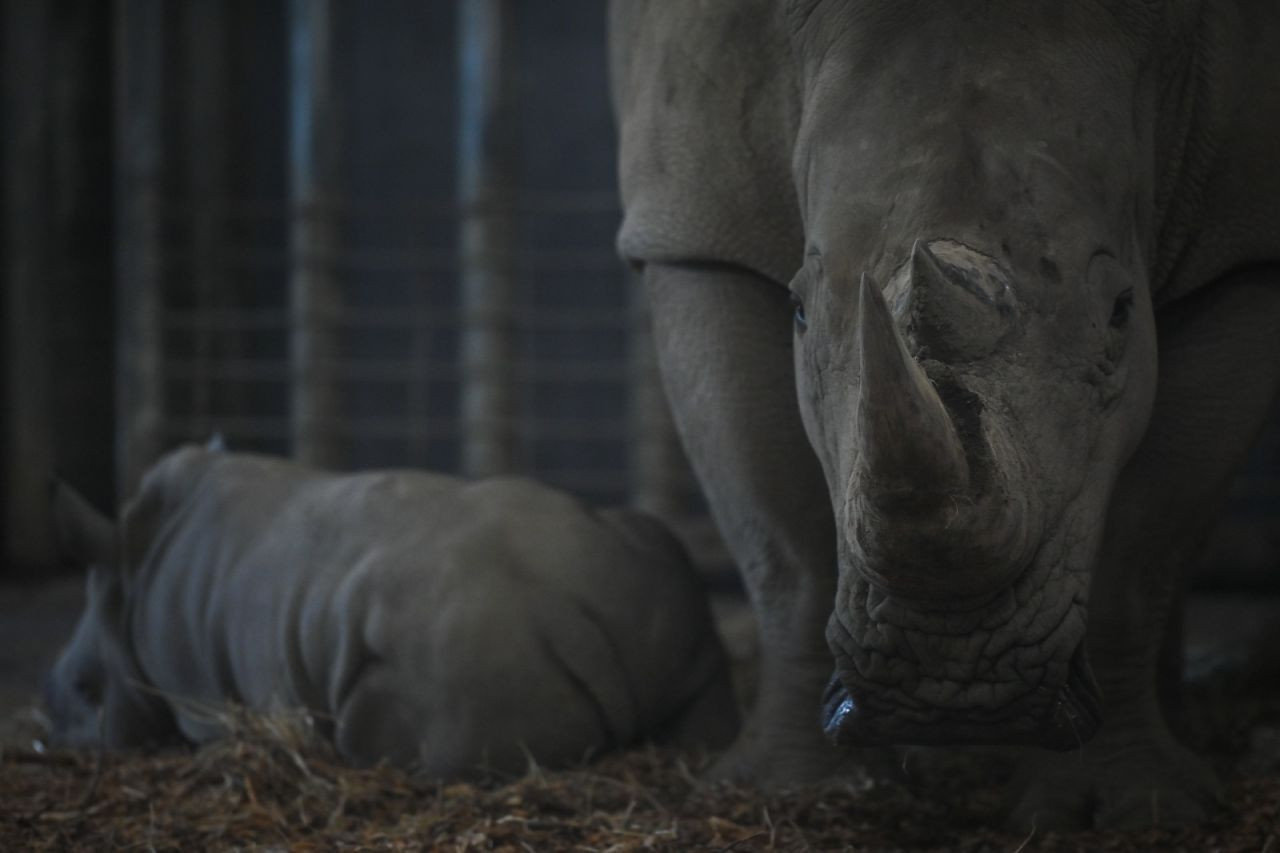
(1219, 375)
(724, 342)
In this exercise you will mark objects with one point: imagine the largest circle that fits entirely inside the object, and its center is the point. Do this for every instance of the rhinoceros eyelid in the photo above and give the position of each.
(1103, 264)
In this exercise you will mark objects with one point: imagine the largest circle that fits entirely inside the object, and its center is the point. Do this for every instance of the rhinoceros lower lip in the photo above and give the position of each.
(1062, 721)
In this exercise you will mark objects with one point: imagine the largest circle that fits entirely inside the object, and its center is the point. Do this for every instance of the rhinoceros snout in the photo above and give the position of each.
(1060, 718)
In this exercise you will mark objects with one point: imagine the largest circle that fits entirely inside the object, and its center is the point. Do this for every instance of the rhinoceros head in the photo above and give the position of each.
(93, 694)
(975, 349)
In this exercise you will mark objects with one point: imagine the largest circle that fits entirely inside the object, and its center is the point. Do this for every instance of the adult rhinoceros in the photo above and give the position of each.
(1031, 252)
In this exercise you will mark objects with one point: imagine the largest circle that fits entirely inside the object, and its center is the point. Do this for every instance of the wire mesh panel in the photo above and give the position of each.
(156, 201)
(310, 282)
(383, 235)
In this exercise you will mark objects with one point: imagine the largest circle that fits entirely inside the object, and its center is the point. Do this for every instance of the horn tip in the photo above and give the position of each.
(924, 263)
(869, 291)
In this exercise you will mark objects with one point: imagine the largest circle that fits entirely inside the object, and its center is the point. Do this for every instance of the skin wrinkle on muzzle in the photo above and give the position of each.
(1002, 666)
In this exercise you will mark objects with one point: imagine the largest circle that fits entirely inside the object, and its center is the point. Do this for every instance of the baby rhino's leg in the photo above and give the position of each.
(546, 687)
(491, 699)
(377, 721)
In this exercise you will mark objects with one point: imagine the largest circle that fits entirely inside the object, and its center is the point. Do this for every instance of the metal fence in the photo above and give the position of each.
(392, 357)
(361, 234)
(280, 323)
(277, 281)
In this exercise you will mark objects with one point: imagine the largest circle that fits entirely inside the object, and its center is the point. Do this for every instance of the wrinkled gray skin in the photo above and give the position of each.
(437, 624)
(1034, 254)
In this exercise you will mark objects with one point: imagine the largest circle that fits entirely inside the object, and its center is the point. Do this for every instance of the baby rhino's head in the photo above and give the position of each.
(93, 694)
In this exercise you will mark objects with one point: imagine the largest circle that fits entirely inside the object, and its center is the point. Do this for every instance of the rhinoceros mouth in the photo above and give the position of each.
(1061, 719)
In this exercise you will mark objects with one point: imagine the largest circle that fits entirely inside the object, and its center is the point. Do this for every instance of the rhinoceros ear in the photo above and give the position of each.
(83, 534)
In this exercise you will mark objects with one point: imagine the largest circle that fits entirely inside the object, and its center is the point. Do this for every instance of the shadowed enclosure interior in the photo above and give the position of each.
(358, 234)
(368, 234)
(361, 235)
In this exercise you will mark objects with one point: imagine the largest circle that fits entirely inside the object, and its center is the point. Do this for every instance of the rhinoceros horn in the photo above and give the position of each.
(926, 270)
(908, 444)
(960, 304)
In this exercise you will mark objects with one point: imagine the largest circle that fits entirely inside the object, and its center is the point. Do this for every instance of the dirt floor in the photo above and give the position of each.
(274, 786)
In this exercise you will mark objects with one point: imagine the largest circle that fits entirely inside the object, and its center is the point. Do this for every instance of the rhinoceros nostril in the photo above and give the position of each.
(837, 708)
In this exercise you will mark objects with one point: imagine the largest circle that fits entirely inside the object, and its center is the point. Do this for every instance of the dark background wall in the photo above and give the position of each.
(149, 145)
(57, 258)
(182, 111)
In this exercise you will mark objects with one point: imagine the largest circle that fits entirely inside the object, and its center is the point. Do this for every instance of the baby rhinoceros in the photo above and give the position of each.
(434, 623)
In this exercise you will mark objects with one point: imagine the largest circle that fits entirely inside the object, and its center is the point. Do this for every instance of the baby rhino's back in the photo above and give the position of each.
(438, 623)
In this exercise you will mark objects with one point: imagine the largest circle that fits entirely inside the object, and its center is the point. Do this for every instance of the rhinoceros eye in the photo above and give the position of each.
(1122, 310)
(1118, 327)
(797, 306)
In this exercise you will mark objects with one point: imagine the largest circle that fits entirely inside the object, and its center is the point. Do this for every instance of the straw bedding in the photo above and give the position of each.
(274, 784)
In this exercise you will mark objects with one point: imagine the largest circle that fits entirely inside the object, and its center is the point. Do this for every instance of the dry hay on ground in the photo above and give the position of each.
(273, 784)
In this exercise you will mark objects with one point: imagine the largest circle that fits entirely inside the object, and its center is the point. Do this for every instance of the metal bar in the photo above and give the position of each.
(28, 426)
(140, 74)
(390, 426)
(245, 370)
(529, 202)
(486, 157)
(316, 299)
(386, 370)
(245, 428)
(228, 320)
(391, 319)
(409, 261)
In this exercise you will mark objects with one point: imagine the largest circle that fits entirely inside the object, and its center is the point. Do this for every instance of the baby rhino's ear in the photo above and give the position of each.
(83, 534)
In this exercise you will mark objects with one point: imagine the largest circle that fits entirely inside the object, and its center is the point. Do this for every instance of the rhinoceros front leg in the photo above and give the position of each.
(1219, 372)
(724, 344)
